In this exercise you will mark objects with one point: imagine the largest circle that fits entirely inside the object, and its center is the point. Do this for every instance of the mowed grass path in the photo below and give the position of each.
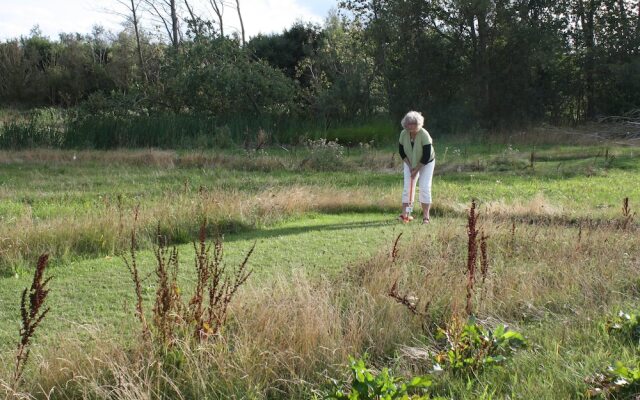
(99, 292)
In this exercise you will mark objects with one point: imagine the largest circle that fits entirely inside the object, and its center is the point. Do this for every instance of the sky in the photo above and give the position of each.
(55, 16)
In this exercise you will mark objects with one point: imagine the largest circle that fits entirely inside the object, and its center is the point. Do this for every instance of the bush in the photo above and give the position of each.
(42, 127)
(378, 131)
(324, 155)
(472, 347)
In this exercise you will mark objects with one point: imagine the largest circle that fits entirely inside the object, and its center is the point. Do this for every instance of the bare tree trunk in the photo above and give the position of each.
(638, 21)
(174, 23)
(241, 23)
(198, 28)
(483, 62)
(637, 36)
(160, 15)
(167, 13)
(191, 13)
(587, 17)
(624, 41)
(219, 10)
(136, 28)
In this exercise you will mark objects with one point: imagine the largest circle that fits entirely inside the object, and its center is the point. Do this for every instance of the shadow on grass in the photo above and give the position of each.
(268, 233)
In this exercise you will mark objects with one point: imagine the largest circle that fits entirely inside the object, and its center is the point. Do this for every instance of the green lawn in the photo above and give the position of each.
(100, 291)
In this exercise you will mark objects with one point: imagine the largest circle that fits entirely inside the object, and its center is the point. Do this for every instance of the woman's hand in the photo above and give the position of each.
(414, 171)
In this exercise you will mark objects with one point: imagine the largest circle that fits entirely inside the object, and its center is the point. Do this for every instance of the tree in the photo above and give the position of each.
(287, 49)
(218, 8)
(166, 12)
(15, 72)
(214, 76)
(133, 17)
(342, 83)
(241, 22)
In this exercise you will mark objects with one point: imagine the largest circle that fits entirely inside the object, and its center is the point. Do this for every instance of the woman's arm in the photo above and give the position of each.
(424, 160)
(426, 154)
(403, 155)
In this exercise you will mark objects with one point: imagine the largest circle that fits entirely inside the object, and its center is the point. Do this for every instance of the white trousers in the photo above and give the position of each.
(423, 179)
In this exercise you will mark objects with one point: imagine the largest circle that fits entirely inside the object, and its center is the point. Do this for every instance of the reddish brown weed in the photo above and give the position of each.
(472, 255)
(206, 312)
(627, 215)
(31, 315)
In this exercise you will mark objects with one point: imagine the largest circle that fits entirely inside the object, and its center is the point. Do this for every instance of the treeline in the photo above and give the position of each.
(464, 63)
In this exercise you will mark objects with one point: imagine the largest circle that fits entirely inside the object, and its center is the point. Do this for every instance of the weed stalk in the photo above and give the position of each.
(31, 316)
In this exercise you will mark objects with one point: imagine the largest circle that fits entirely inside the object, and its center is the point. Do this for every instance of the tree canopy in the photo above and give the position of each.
(464, 63)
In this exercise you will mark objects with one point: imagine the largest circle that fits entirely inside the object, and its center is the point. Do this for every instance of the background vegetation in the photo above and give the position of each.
(467, 65)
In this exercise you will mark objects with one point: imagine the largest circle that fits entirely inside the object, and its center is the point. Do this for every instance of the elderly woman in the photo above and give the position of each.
(416, 150)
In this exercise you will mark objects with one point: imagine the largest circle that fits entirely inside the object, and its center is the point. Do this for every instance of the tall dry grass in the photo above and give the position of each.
(149, 157)
(532, 269)
(285, 339)
(261, 160)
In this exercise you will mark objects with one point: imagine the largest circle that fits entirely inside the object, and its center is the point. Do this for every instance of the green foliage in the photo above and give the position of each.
(464, 64)
(625, 326)
(160, 130)
(617, 380)
(366, 384)
(501, 64)
(286, 50)
(214, 76)
(470, 347)
(343, 84)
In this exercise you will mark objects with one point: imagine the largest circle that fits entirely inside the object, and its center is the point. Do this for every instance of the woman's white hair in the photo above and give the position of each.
(412, 117)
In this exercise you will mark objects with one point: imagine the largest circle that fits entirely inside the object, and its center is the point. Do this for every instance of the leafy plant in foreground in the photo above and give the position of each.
(617, 380)
(366, 384)
(470, 347)
(624, 325)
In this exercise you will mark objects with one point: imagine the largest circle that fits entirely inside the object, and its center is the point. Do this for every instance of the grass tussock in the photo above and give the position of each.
(283, 340)
(532, 269)
(538, 206)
